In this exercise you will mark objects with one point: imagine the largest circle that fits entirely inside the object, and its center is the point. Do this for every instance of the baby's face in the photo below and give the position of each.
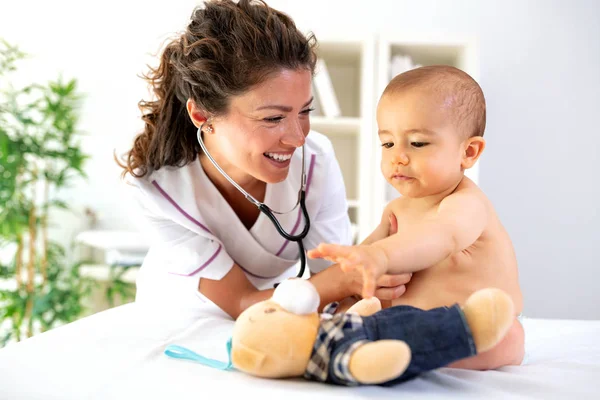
(421, 146)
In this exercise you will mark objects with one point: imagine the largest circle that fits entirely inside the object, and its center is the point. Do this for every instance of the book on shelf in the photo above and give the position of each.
(324, 87)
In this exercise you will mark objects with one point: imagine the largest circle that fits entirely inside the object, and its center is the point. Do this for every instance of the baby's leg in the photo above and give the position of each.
(510, 351)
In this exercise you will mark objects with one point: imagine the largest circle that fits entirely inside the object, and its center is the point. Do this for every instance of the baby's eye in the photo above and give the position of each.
(273, 119)
(388, 145)
(418, 144)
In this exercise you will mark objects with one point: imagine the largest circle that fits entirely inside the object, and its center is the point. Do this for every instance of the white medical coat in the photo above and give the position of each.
(195, 234)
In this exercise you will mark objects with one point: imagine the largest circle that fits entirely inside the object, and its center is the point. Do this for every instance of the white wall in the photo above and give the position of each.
(540, 71)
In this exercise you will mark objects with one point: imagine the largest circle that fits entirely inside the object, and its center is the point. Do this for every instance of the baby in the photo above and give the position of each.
(431, 122)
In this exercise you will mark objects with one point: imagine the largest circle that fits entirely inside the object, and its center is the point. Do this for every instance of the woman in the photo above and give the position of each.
(239, 79)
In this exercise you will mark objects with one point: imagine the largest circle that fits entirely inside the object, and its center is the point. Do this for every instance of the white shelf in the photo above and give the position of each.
(101, 272)
(109, 240)
(350, 63)
(336, 126)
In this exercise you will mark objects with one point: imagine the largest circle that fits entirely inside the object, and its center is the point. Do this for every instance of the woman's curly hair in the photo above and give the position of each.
(227, 48)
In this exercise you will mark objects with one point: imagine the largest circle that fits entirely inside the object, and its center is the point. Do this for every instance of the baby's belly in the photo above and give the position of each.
(455, 279)
(427, 297)
(430, 289)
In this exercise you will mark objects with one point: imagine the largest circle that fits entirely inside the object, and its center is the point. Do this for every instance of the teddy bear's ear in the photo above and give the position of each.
(246, 359)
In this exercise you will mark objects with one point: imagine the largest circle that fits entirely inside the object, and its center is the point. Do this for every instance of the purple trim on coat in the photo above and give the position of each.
(203, 265)
(308, 179)
(188, 216)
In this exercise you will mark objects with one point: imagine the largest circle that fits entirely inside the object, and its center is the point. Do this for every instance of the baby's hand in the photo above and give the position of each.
(370, 260)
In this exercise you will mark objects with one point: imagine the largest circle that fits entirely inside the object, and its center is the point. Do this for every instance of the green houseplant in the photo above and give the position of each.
(40, 154)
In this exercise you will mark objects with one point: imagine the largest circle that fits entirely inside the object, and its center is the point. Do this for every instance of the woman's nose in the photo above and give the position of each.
(294, 135)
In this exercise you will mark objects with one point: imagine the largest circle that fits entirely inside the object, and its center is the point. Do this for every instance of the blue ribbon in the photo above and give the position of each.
(184, 353)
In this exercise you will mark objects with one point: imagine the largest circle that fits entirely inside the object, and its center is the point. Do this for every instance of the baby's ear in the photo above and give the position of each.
(472, 149)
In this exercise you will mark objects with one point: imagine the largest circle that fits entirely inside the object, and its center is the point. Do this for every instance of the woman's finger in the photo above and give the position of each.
(390, 293)
(368, 284)
(394, 280)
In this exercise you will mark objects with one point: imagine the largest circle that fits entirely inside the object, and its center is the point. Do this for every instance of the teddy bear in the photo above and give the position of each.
(286, 337)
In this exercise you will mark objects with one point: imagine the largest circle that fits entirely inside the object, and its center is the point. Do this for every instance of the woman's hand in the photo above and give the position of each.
(388, 287)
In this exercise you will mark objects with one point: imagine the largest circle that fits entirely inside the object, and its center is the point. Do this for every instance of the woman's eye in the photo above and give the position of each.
(418, 144)
(387, 145)
(279, 118)
(272, 119)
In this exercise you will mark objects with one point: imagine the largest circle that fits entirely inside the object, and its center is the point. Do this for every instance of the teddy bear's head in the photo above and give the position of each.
(274, 338)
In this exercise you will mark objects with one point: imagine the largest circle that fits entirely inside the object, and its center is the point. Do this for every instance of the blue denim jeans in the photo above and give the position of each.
(436, 337)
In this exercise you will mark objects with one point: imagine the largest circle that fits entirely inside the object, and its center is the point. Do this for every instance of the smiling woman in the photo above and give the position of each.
(238, 80)
(271, 121)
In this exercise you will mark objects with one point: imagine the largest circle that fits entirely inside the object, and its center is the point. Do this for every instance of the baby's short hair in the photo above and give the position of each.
(467, 103)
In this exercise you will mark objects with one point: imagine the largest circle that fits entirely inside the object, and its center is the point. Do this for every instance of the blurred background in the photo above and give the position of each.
(538, 63)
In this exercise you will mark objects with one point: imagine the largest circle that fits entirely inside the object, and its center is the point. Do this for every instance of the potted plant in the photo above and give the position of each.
(40, 154)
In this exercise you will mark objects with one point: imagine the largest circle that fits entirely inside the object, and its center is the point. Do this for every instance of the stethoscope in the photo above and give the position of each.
(266, 210)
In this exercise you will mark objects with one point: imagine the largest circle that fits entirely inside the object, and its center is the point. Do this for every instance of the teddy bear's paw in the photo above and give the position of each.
(489, 313)
(379, 362)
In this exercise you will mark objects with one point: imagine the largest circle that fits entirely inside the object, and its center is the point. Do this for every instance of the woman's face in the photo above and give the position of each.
(263, 128)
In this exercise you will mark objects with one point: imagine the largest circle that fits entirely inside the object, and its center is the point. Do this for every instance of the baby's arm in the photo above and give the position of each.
(458, 222)
(388, 287)
(387, 226)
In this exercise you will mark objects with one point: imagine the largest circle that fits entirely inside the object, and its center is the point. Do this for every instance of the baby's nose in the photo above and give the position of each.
(400, 159)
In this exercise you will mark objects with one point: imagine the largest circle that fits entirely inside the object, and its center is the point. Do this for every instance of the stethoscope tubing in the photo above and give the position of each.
(266, 210)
